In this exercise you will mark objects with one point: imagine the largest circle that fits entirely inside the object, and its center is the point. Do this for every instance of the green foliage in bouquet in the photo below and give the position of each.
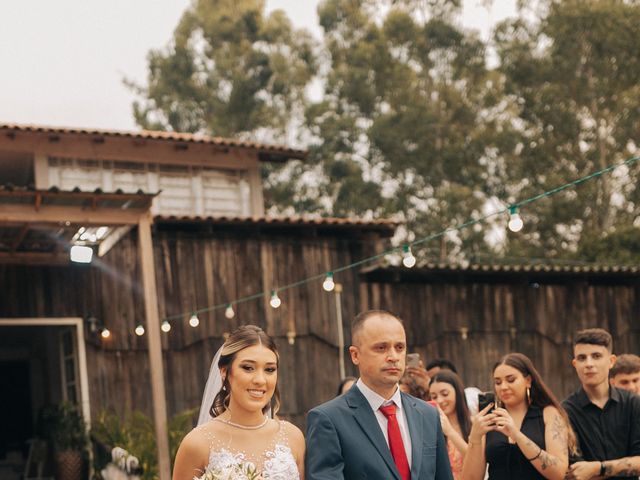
(136, 434)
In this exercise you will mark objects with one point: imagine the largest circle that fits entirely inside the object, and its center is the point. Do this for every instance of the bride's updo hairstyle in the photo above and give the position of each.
(241, 338)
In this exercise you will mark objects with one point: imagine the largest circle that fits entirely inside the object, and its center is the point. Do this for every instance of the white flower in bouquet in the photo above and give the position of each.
(241, 471)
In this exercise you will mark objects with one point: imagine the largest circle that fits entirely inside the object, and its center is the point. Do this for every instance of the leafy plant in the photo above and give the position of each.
(136, 434)
(64, 427)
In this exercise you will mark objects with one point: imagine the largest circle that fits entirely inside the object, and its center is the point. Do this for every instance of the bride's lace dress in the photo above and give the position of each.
(275, 462)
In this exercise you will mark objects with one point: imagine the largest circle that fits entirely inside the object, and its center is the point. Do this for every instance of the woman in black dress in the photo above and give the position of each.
(528, 435)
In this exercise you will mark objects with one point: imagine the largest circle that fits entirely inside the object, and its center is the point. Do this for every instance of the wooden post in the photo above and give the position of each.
(155, 346)
(338, 295)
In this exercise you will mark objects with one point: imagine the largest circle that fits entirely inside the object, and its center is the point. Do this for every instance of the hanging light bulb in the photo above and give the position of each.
(515, 222)
(328, 283)
(194, 321)
(105, 333)
(275, 301)
(139, 330)
(408, 260)
(166, 326)
(229, 313)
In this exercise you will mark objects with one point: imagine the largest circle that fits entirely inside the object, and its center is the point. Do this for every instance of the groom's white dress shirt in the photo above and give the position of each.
(376, 401)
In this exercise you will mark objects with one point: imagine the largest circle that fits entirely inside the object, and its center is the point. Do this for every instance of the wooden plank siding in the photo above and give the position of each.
(198, 267)
(195, 270)
(524, 312)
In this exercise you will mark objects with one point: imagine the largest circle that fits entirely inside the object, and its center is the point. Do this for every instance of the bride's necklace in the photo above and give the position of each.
(244, 427)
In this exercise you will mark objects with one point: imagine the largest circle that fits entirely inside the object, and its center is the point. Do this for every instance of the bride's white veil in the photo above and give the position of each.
(213, 386)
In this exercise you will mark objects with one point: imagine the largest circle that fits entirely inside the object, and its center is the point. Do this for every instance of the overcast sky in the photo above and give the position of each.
(62, 62)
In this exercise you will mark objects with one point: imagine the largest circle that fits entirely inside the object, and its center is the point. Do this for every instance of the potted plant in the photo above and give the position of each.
(65, 428)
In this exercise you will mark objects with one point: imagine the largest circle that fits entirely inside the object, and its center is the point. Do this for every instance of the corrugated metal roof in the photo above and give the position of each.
(300, 220)
(385, 225)
(273, 149)
(7, 188)
(45, 240)
(13, 195)
(543, 268)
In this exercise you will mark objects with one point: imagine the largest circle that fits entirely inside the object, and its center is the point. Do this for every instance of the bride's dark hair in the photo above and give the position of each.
(241, 338)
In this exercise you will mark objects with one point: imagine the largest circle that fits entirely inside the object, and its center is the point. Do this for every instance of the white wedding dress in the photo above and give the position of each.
(275, 462)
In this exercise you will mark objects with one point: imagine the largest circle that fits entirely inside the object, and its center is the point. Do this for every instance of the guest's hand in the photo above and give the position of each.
(482, 423)
(583, 471)
(505, 424)
(419, 375)
(444, 421)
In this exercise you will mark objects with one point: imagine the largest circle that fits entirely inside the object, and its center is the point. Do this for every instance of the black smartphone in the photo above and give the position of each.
(484, 399)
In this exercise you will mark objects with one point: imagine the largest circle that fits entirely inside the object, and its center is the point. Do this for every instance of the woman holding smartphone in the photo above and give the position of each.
(447, 392)
(527, 436)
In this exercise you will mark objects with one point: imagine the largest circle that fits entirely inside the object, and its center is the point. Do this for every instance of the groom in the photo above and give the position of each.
(374, 431)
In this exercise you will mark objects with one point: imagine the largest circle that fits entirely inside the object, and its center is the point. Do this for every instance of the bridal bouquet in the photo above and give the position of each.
(238, 471)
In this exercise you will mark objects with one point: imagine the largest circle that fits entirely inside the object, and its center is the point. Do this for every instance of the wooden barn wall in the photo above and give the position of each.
(195, 270)
(525, 316)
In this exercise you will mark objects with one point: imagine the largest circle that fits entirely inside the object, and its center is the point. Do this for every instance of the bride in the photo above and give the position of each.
(236, 437)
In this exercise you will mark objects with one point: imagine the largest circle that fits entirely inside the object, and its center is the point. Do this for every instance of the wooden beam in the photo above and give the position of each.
(18, 240)
(255, 192)
(145, 243)
(114, 237)
(34, 258)
(73, 214)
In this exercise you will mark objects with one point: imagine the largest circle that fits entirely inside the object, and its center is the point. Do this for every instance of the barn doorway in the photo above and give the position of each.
(42, 362)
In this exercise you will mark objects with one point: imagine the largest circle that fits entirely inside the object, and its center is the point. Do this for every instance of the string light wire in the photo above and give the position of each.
(321, 276)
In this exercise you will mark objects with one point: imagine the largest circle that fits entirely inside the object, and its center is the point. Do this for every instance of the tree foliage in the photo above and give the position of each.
(573, 78)
(411, 122)
(398, 130)
(230, 70)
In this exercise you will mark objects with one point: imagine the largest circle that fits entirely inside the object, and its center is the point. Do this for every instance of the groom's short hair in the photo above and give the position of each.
(358, 322)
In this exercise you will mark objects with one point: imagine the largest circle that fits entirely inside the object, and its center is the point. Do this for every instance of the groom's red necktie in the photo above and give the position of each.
(395, 441)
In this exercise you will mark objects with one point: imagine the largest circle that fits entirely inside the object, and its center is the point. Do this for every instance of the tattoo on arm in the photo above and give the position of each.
(559, 429)
(625, 468)
(546, 460)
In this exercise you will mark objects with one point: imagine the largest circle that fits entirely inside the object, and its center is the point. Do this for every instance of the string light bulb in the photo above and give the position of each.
(105, 333)
(328, 283)
(408, 260)
(140, 330)
(275, 301)
(194, 321)
(166, 326)
(515, 221)
(229, 313)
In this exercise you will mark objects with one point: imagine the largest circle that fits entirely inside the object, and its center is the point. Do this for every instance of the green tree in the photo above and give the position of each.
(411, 122)
(572, 82)
(230, 70)
(399, 128)
(621, 246)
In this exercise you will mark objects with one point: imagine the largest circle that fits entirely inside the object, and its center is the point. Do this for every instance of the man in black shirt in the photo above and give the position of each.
(606, 419)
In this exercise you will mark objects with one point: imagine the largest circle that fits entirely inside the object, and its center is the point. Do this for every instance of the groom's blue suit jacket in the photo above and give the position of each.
(344, 441)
